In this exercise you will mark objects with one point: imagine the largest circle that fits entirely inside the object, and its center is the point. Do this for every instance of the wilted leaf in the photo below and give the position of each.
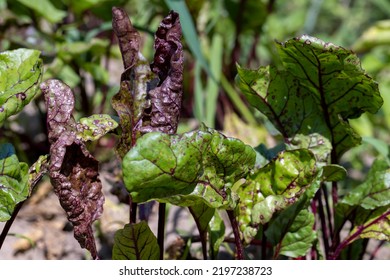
(135, 242)
(132, 100)
(73, 170)
(274, 187)
(168, 65)
(319, 89)
(186, 169)
(13, 181)
(20, 75)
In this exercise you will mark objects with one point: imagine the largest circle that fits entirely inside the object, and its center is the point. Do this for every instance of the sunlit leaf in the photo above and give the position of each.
(319, 89)
(374, 192)
(274, 187)
(94, 127)
(367, 205)
(135, 242)
(13, 181)
(186, 169)
(20, 75)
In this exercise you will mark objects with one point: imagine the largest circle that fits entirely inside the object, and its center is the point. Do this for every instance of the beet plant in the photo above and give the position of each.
(285, 201)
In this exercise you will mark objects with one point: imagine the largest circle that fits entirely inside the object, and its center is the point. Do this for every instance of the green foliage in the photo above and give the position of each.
(199, 166)
(272, 188)
(311, 99)
(135, 242)
(14, 186)
(319, 89)
(20, 75)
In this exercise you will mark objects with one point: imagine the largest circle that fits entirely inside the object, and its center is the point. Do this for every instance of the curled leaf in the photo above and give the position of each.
(168, 65)
(73, 170)
(20, 75)
(132, 100)
(128, 36)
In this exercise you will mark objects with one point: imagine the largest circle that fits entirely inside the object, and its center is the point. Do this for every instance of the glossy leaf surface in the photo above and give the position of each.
(13, 181)
(20, 75)
(274, 187)
(199, 166)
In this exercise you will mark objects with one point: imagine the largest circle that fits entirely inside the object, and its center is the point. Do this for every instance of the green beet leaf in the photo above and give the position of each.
(94, 127)
(291, 232)
(374, 192)
(20, 75)
(367, 205)
(13, 181)
(216, 234)
(372, 224)
(273, 188)
(199, 166)
(321, 87)
(135, 242)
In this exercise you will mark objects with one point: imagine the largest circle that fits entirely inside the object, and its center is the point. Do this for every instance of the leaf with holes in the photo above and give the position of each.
(135, 242)
(14, 176)
(321, 87)
(20, 75)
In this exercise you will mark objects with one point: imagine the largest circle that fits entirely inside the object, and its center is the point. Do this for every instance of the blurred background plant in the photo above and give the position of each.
(78, 46)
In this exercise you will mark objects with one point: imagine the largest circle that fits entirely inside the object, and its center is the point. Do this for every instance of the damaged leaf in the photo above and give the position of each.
(20, 75)
(274, 187)
(132, 100)
(199, 166)
(150, 96)
(13, 181)
(135, 242)
(73, 170)
(94, 127)
(321, 87)
(168, 65)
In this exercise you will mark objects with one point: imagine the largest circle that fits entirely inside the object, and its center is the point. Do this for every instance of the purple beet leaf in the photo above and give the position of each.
(73, 170)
